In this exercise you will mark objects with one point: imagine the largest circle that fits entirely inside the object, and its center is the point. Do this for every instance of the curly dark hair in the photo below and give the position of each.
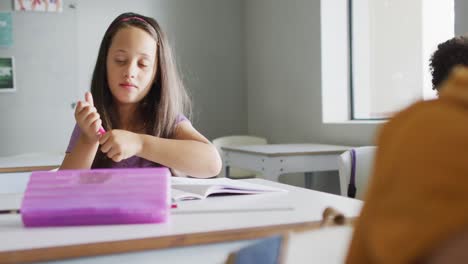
(449, 54)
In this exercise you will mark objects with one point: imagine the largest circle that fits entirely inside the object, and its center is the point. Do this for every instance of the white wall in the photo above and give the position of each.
(38, 117)
(208, 40)
(251, 65)
(283, 76)
(461, 20)
(283, 48)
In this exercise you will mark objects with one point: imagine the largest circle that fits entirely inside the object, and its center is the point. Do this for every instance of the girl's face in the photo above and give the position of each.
(131, 65)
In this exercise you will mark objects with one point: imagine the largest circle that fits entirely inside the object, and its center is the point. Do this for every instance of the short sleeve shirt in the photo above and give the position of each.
(132, 162)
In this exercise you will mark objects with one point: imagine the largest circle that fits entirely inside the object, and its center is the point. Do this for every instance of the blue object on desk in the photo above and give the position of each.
(265, 251)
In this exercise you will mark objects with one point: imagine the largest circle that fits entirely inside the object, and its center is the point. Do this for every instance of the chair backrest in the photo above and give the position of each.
(238, 140)
(362, 163)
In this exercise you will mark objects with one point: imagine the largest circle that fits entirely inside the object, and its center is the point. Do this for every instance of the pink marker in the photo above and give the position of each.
(101, 131)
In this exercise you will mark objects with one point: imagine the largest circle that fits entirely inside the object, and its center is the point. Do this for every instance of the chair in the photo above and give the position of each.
(361, 164)
(237, 140)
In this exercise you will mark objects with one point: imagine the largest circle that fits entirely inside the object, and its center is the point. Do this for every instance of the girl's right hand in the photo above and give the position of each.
(88, 119)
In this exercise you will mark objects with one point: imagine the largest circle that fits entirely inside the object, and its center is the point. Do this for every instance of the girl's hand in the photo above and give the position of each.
(120, 144)
(88, 119)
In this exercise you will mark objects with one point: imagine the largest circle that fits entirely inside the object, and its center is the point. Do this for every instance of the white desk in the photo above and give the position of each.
(30, 162)
(186, 233)
(328, 245)
(275, 159)
(14, 182)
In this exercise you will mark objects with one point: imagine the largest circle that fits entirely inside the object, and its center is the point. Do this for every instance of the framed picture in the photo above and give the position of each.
(7, 74)
(38, 5)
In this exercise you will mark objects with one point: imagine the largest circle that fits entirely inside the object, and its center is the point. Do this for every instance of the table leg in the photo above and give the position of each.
(272, 176)
(227, 172)
(309, 179)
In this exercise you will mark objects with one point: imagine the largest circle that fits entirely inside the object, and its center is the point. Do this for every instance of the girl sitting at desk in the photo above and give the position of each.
(139, 99)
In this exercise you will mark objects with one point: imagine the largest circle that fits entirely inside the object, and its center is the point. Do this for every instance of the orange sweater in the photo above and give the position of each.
(418, 195)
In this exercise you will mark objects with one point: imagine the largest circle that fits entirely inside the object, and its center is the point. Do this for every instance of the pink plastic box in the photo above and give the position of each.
(97, 197)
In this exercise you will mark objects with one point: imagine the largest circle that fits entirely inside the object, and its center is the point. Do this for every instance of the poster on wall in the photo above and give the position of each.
(39, 5)
(7, 74)
(6, 36)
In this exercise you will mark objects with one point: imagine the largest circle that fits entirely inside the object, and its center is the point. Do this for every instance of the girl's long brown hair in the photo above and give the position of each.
(166, 99)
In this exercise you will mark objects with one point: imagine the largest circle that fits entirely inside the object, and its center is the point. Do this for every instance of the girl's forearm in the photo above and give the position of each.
(190, 157)
(81, 157)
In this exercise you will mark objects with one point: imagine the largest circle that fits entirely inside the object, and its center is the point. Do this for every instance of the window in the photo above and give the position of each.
(391, 42)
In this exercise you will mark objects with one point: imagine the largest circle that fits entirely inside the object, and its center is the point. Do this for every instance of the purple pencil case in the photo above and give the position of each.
(97, 197)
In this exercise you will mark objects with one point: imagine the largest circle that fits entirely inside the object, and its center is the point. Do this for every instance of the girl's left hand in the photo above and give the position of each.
(120, 144)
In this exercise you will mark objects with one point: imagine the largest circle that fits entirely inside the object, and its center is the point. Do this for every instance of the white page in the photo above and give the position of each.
(178, 195)
(190, 188)
(224, 182)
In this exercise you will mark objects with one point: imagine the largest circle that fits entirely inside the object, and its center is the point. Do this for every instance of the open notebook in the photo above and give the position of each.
(191, 189)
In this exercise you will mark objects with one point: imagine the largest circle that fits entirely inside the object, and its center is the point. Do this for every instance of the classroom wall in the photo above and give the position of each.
(251, 66)
(461, 20)
(207, 36)
(283, 62)
(284, 76)
(283, 79)
(38, 117)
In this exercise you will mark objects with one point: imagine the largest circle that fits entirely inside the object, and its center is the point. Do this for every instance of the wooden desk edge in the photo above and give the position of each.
(152, 243)
(28, 169)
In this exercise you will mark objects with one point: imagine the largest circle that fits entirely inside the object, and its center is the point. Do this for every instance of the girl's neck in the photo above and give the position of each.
(128, 117)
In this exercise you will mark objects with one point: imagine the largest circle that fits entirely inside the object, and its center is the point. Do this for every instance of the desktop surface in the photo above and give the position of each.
(192, 223)
(288, 149)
